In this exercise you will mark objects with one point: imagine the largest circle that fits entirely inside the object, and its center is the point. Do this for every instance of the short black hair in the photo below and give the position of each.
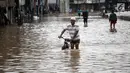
(112, 11)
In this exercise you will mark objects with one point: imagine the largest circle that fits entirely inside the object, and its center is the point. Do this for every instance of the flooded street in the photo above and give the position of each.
(36, 48)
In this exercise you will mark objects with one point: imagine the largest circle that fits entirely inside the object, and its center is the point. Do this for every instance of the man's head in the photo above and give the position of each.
(112, 11)
(72, 19)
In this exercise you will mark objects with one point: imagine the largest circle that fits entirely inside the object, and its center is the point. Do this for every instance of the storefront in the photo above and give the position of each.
(2, 3)
(7, 6)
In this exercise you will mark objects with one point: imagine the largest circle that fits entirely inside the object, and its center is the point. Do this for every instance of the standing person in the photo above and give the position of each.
(103, 13)
(74, 33)
(70, 10)
(113, 20)
(85, 18)
(79, 12)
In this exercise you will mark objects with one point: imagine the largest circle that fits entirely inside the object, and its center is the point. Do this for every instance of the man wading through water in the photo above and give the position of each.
(85, 17)
(74, 33)
(113, 21)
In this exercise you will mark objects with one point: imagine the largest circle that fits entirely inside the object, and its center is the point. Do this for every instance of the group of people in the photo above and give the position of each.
(74, 29)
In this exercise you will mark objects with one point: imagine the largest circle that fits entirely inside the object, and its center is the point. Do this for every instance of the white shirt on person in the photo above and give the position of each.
(71, 30)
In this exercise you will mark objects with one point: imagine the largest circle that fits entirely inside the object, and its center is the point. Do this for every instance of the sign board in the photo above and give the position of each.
(120, 7)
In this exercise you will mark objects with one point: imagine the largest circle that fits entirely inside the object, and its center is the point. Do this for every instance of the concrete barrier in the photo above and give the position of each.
(125, 18)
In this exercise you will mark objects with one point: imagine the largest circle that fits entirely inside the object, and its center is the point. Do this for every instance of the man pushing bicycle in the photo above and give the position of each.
(73, 32)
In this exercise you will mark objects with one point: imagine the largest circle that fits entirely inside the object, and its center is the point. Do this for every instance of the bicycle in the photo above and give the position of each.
(66, 44)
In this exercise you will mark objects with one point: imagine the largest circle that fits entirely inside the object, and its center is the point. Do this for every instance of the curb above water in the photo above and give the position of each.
(127, 18)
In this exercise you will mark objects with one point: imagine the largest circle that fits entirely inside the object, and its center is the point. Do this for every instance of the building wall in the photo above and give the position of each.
(21, 2)
(87, 1)
(98, 1)
(64, 6)
(9, 3)
(3, 3)
(52, 1)
(90, 4)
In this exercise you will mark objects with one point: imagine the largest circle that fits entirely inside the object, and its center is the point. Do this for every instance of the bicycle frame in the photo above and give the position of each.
(66, 44)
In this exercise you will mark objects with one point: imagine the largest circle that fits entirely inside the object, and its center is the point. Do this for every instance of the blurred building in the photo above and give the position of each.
(35, 6)
(64, 6)
(89, 4)
(7, 6)
(98, 5)
(53, 5)
(117, 5)
(7, 3)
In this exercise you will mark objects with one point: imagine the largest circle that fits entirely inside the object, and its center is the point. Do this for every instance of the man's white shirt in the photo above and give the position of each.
(71, 30)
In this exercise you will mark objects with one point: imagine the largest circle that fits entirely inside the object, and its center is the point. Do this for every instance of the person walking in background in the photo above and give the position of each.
(79, 12)
(85, 17)
(70, 10)
(113, 21)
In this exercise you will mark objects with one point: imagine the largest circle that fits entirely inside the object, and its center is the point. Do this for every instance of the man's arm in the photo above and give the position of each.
(62, 33)
(110, 17)
(116, 17)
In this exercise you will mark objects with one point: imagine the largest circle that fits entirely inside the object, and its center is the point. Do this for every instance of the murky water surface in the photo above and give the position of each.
(35, 48)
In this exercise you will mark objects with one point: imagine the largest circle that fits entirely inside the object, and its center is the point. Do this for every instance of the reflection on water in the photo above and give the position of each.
(9, 46)
(71, 61)
(74, 61)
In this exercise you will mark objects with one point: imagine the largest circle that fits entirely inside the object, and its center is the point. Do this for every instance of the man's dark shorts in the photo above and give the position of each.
(85, 19)
(75, 41)
(113, 21)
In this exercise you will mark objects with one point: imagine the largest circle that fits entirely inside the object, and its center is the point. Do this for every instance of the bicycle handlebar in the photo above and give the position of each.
(66, 39)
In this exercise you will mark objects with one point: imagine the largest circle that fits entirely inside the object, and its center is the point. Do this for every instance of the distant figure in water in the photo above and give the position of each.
(85, 17)
(113, 21)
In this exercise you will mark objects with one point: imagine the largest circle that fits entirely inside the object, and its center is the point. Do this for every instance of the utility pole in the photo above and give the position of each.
(92, 6)
(56, 2)
(99, 5)
(77, 4)
(84, 3)
(34, 6)
(106, 5)
(7, 8)
(46, 5)
(64, 6)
